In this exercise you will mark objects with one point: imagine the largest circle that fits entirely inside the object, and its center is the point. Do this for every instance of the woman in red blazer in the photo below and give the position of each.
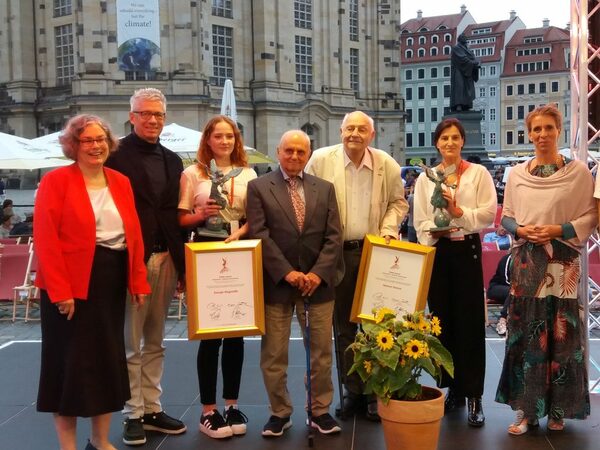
(90, 252)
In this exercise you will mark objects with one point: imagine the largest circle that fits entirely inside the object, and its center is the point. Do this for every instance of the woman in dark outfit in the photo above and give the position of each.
(456, 288)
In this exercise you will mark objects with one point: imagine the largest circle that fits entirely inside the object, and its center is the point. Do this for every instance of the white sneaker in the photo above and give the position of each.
(501, 326)
(215, 426)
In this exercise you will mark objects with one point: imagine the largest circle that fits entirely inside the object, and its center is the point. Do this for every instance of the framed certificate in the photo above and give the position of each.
(224, 289)
(394, 275)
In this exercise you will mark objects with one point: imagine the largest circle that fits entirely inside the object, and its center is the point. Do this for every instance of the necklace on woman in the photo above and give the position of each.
(545, 170)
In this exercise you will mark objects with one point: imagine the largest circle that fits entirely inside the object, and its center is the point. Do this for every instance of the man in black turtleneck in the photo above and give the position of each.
(154, 173)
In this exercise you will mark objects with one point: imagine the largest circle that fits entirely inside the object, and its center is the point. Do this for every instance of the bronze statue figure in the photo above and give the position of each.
(464, 73)
(439, 203)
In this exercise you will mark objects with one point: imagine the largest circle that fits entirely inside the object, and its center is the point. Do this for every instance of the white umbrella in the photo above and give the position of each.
(20, 153)
(50, 143)
(228, 101)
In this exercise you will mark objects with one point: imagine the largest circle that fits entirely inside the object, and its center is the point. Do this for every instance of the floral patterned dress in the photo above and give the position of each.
(544, 371)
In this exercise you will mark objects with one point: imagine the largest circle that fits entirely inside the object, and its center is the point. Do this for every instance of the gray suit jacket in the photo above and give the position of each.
(316, 248)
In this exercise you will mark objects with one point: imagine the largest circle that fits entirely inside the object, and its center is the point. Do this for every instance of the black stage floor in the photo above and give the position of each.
(22, 428)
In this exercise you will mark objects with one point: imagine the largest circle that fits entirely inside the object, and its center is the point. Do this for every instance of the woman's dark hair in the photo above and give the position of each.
(447, 123)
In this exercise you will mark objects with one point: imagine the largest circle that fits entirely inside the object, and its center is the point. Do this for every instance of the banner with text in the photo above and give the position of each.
(138, 35)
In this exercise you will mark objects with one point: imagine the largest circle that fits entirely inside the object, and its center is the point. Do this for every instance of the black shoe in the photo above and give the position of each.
(133, 432)
(475, 416)
(372, 413)
(214, 425)
(352, 404)
(453, 401)
(163, 423)
(276, 426)
(325, 424)
(236, 419)
(89, 446)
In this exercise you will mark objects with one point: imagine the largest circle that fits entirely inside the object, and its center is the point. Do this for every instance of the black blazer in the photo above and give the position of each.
(317, 248)
(154, 213)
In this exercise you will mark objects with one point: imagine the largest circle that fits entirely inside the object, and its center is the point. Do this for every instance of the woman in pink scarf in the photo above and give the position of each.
(550, 210)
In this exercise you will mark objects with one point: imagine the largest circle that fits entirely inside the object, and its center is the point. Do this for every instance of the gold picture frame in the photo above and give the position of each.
(224, 286)
(394, 275)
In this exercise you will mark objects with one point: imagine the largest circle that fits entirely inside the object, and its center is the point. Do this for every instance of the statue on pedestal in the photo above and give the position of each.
(464, 73)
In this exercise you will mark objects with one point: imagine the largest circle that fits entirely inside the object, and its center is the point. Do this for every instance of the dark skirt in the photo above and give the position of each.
(456, 297)
(83, 370)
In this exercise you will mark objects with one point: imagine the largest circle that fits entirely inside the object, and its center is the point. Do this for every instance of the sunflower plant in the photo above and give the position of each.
(390, 354)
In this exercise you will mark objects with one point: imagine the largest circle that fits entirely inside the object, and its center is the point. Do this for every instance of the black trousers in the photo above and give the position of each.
(346, 330)
(207, 364)
(499, 292)
(456, 296)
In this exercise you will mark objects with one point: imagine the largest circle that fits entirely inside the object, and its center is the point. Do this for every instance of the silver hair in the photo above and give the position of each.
(147, 93)
(371, 121)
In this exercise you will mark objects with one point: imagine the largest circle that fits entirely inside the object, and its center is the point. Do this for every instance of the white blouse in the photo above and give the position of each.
(476, 196)
(109, 225)
(195, 188)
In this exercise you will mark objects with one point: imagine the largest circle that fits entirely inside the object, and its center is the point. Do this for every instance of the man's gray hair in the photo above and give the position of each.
(151, 94)
(371, 121)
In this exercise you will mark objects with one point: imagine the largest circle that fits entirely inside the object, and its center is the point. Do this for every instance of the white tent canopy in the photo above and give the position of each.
(50, 143)
(182, 140)
(21, 153)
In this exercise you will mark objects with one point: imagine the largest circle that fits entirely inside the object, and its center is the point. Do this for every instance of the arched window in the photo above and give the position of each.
(434, 39)
(409, 41)
(408, 54)
(313, 133)
(422, 40)
(447, 37)
(433, 51)
(447, 49)
(421, 52)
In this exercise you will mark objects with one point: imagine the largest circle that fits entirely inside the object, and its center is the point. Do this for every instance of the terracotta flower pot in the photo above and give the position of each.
(413, 425)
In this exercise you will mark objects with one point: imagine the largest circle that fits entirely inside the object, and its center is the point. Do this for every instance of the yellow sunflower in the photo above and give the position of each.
(423, 325)
(385, 340)
(381, 312)
(368, 366)
(436, 329)
(414, 349)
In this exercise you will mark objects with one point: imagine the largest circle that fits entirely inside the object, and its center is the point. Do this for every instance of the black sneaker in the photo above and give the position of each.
(236, 419)
(276, 426)
(133, 432)
(163, 423)
(325, 424)
(215, 426)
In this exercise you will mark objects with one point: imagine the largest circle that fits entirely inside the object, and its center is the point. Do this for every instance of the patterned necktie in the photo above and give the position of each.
(297, 201)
